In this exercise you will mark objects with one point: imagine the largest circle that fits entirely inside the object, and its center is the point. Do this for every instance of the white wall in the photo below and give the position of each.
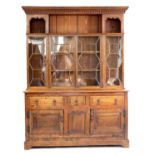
(139, 76)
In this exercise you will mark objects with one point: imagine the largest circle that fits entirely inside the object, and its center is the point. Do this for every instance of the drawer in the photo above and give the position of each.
(45, 102)
(77, 100)
(107, 101)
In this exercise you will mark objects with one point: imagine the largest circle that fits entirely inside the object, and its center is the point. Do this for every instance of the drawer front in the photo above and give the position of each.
(77, 100)
(112, 101)
(45, 102)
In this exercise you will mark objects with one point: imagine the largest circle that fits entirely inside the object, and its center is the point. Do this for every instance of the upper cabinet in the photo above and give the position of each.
(75, 47)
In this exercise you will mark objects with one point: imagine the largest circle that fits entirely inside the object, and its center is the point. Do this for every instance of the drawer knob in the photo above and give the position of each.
(54, 102)
(34, 105)
(76, 102)
(98, 101)
(36, 101)
(115, 101)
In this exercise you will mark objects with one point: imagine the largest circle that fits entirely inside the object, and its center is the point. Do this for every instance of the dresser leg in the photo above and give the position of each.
(27, 146)
(125, 144)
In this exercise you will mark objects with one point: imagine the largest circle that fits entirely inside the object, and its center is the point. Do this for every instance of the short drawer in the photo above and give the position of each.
(45, 102)
(106, 100)
(77, 100)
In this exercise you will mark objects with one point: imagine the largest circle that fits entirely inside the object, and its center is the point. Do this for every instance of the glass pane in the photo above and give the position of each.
(88, 61)
(114, 60)
(62, 60)
(37, 61)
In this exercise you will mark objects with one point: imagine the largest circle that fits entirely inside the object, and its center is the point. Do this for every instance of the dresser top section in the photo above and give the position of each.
(75, 10)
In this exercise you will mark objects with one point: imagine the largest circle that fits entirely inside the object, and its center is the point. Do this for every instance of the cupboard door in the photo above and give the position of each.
(62, 61)
(37, 61)
(106, 121)
(114, 60)
(88, 61)
(46, 122)
(77, 122)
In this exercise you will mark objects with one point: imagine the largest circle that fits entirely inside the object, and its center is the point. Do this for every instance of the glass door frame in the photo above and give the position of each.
(45, 38)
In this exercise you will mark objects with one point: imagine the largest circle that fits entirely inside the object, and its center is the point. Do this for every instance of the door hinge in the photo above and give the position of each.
(124, 113)
(124, 125)
(28, 114)
(28, 128)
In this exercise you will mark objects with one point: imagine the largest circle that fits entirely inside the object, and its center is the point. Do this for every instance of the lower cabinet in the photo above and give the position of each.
(75, 120)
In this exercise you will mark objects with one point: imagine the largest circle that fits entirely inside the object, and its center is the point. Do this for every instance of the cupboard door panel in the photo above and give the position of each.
(77, 122)
(106, 121)
(46, 122)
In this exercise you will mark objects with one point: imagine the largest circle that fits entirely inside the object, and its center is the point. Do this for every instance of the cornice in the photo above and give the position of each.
(74, 10)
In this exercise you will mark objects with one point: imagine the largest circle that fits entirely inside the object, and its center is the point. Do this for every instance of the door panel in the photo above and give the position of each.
(106, 121)
(46, 121)
(77, 121)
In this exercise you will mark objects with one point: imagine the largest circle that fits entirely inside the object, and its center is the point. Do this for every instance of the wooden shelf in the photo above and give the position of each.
(88, 70)
(63, 70)
(72, 34)
(88, 52)
(37, 34)
(114, 34)
(62, 53)
(75, 34)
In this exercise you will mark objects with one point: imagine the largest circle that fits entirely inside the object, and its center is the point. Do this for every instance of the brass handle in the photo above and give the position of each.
(54, 102)
(35, 104)
(36, 101)
(115, 101)
(76, 102)
(98, 101)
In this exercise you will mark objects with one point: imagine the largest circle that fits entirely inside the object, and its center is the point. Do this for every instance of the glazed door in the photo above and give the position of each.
(37, 61)
(46, 122)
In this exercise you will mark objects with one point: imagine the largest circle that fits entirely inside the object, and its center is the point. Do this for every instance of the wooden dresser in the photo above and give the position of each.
(75, 92)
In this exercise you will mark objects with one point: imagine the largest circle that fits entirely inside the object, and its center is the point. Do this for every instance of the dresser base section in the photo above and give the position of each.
(76, 142)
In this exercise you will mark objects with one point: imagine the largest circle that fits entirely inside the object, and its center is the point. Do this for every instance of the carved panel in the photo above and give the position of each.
(76, 122)
(46, 121)
(107, 121)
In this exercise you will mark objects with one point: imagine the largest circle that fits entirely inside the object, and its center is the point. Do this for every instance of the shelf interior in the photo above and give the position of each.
(72, 24)
(113, 25)
(37, 25)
